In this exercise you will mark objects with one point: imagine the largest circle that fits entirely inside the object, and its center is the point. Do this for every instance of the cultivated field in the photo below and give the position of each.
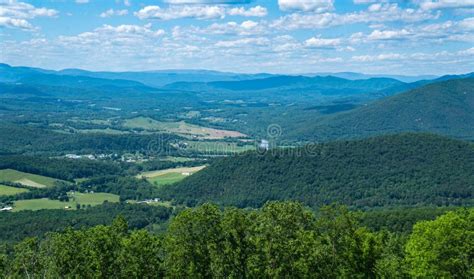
(9, 191)
(180, 128)
(218, 147)
(91, 199)
(26, 179)
(169, 176)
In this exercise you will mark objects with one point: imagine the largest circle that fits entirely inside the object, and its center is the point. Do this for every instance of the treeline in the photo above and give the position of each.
(128, 188)
(65, 169)
(25, 139)
(395, 170)
(15, 226)
(281, 240)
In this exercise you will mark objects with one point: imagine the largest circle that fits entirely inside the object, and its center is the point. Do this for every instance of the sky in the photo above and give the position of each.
(409, 37)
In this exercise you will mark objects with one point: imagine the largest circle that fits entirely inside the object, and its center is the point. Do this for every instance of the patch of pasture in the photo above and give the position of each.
(180, 128)
(10, 191)
(84, 199)
(27, 179)
(169, 176)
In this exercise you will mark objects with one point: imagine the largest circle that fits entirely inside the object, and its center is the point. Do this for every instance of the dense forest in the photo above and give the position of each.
(19, 225)
(394, 170)
(280, 240)
(23, 139)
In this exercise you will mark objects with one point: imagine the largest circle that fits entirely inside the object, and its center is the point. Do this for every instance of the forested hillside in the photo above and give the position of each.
(281, 240)
(406, 169)
(445, 107)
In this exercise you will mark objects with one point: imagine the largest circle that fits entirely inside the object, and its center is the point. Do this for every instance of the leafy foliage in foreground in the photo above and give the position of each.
(397, 170)
(281, 240)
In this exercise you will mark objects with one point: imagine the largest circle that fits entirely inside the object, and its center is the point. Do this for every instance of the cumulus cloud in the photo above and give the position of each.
(306, 5)
(388, 34)
(379, 57)
(318, 42)
(176, 12)
(15, 14)
(257, 11)
(243, 42)
(82, 1)
(380, 13)
(198, 12)
(108, 34)
(230, 2)
(444, 4)
(461, 31)
(112, 12)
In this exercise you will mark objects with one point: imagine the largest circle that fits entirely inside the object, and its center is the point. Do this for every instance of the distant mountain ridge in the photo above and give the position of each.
(444, 107)
(354, 76)
(159, 78)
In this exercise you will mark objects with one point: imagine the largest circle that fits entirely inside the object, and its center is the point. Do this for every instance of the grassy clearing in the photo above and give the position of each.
(169, 176)
(26, 179)
(166, 179)
(216, 147)
(154, 203)
(91, 199)
(181, 128)
(10, 191)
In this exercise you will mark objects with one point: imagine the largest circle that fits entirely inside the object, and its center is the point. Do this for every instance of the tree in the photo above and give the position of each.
(27, 262)
(141, 256)
(193, 243)
(443, 248)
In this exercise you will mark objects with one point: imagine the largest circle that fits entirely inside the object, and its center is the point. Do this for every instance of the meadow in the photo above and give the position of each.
(9, 191)
(180, 128)
(27, 179)
(75, 198)
(169, 176)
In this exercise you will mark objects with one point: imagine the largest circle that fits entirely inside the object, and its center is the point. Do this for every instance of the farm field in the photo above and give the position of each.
(218, 147)
(180, 128)
(91, 199)
(9, 191)
(169, 176)
(26, 179)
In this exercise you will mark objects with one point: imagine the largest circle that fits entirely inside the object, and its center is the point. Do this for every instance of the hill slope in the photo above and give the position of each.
(407, 169)
(445, 107)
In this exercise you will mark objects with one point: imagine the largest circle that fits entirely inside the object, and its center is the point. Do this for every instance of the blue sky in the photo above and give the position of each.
(410, 37)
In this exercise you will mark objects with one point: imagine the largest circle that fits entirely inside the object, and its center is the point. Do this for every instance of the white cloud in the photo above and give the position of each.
(127, 3)
(257, 11)
(176, 12)
(112, 12)
(82, 1)
(15, 23)
(306, 5)
(198, 12)
(388, 34)
(383, 13)
(245, 28)
(117, 35)
(444, 4)
(379, 57)
(243, 42)
(467, 23)
(15, 14)
(317, 42)
(208, 1)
